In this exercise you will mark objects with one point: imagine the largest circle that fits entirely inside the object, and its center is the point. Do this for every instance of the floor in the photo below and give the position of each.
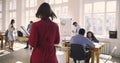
(21, 55)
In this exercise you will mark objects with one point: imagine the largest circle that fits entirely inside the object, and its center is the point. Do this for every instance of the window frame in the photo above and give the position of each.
(106, 32)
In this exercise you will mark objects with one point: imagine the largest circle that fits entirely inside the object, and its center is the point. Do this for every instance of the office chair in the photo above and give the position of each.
(77, 52)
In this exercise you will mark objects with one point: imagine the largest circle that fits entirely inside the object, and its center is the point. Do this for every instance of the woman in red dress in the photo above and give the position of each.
(43, 35)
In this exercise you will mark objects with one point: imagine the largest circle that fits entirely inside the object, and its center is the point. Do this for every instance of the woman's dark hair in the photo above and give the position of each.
(45, 11)
(82, 31)
(31, 21)
(74, 23)
(91, 34)
(12, 21)
(93, 38)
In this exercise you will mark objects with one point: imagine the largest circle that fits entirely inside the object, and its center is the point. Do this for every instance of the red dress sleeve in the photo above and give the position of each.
(57, 37)
(33, 38)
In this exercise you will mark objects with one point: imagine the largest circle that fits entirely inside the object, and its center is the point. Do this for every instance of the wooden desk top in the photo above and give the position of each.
(97, 45)
(2, 34)
(22, 39)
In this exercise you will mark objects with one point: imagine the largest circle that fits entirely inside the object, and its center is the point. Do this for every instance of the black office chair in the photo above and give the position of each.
(77, 52)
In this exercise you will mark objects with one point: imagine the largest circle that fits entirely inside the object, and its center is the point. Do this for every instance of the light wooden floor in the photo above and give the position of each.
(21, 55)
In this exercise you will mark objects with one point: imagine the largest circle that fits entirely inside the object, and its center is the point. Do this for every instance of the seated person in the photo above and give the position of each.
(91, 36)
(85, 42)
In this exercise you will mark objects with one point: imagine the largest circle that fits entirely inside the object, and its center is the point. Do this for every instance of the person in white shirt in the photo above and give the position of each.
(10, 35)
(77, 27)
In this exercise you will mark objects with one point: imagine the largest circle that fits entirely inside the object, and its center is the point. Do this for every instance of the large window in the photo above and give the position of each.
(100, 17)
(12, 15)
(12, 4)
(12, 10)
(31, 3)
(30, 11)
(60, 7)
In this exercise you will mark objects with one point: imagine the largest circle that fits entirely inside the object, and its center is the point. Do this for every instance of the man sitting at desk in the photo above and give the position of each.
(85, 42)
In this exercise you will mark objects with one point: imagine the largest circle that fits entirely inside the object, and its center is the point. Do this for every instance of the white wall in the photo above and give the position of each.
(118, 18)
(19, 15)
(115, 43)
(74, 6)
(4, 14)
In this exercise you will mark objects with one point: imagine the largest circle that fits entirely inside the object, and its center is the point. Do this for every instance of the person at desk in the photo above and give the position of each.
(91, 36)
(28, 29)
(10, 35)
(43, 35)
(85, 42)
(77, 27)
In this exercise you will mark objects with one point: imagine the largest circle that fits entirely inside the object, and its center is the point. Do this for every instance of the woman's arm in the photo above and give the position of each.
(95, 40)
(33, 38)
(57, 37)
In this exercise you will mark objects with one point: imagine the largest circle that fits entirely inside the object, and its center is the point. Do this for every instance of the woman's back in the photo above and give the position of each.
(47, 32)
(44, 34)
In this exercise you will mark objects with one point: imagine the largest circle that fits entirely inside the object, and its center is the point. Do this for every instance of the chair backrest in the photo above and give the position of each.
(77, 52)
(19, 33)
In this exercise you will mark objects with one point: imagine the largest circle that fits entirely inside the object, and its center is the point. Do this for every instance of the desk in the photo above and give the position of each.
(2, 34)
(22, 39)
(67, 47)
(95, 52)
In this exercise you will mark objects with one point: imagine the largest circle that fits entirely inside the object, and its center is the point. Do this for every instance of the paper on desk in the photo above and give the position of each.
(97, 45)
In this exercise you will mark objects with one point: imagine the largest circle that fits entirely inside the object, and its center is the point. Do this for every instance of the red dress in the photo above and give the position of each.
(43, 35)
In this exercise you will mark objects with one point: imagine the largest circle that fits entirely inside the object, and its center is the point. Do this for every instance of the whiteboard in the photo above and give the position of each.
(65, 26)
(25, 30)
